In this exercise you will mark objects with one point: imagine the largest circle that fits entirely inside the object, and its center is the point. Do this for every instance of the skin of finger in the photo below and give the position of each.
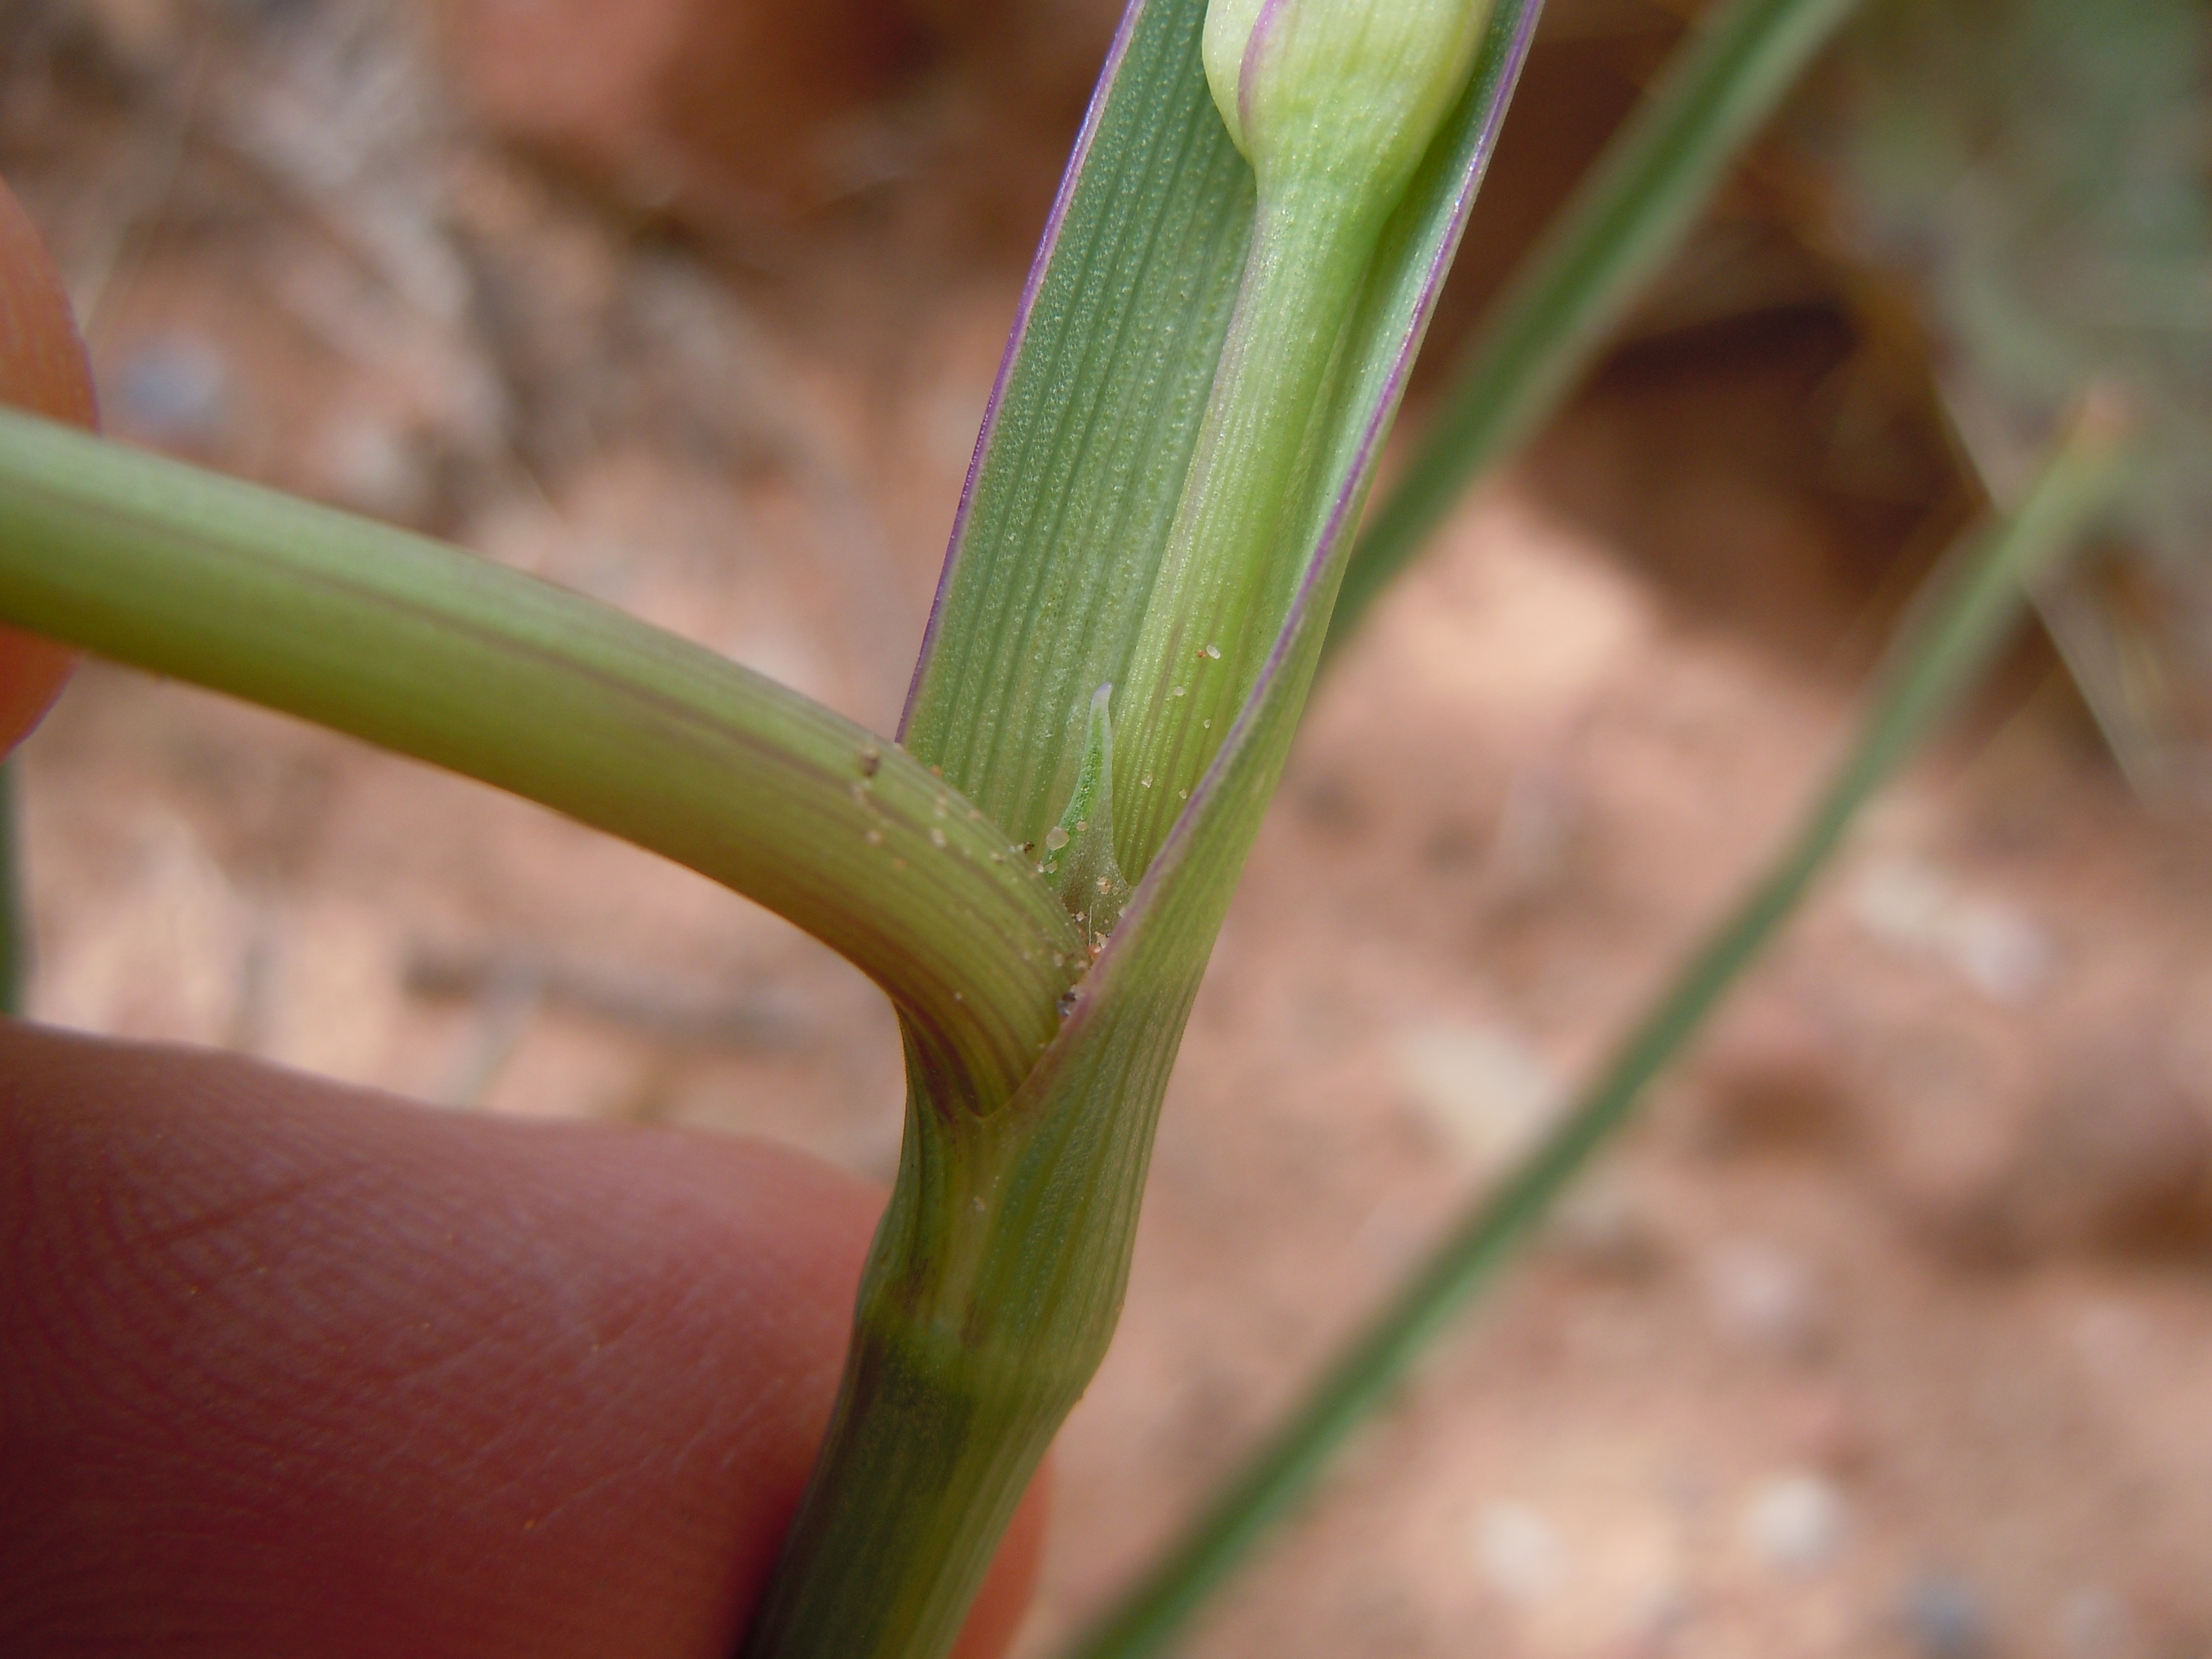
(289, 1369)
(42, 369)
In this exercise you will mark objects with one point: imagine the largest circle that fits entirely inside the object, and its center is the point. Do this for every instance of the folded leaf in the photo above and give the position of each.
(456, 660)
(997, 1276)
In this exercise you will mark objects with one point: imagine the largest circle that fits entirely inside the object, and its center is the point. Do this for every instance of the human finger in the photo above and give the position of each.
(42, 369)
(289, 1369)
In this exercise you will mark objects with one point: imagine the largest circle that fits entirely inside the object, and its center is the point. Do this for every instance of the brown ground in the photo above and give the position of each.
(1889, 1331)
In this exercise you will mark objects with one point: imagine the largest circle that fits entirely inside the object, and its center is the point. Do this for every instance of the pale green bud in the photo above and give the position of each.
(1351, 88)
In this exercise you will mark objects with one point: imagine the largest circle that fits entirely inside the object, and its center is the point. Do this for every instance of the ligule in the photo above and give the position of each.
(1078, 857)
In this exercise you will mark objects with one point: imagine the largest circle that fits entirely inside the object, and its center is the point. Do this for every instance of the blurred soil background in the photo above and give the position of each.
(1887, 1332)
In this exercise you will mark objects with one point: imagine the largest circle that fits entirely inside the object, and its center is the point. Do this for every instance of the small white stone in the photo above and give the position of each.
(374, 467)
(1485, 1091)
(1946, 1617)
(1916, 908)
(177, 390)
(2005, 954)
(1764, 1298)
(1520, 1554)
(1796, 1521)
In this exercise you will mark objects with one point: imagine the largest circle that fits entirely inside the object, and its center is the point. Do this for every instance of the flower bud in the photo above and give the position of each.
(1349, 88)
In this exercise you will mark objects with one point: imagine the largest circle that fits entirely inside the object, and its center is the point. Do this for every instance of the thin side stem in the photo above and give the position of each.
(1972, 603)
(1625, 220)
(454, 659)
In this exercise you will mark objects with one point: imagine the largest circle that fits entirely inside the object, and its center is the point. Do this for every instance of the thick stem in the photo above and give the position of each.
(951, 1419)
(1623, 222)
(959, 1458)
(988, 1301)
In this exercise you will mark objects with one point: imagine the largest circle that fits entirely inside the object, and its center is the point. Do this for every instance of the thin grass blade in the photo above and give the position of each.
(455, 660)
(1624, 222)
(1973, 602)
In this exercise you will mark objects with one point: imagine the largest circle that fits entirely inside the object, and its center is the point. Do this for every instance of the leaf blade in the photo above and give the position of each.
(451, 659)
(1081, 463)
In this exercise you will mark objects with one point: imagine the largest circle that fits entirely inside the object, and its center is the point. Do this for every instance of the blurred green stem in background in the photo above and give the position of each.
(1965, 613)
(998, 1272)
(1626, 221)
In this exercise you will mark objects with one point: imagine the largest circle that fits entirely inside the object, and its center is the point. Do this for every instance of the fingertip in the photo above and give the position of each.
(324, 1372)
(42, 369)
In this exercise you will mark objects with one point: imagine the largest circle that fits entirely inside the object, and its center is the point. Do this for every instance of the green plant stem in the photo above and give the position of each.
(970, 1345)
(1972, 603)
(1625, 220)
(15, 913)
(456, 660)
(1336, 104)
